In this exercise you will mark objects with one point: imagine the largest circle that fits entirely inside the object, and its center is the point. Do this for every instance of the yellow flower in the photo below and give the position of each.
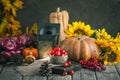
(117, 39)
(18, 4)
(104, 40)
(105, 43)
(112, 57)
(78, 29)
(118, 48)
(110, 47)
(102, 34)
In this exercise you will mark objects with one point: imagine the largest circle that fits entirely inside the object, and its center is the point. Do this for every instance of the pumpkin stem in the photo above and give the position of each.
(78, 38)
(58, 9)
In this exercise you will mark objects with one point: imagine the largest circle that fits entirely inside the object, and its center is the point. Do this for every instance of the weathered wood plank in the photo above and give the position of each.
(34, 78)
(118, 68)
(59, 77)
(109, 74)
(77, 76)
(87, 74)
(8, 73)
(0, 68)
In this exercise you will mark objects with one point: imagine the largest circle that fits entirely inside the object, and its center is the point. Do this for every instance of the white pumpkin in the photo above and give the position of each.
(61, 17)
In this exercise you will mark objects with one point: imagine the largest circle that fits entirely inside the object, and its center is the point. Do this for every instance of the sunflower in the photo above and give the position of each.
(112, 57)
(105, 43)
(78, 29)
(109, 46)
(102, 34)
(104, 40)
(117, 39)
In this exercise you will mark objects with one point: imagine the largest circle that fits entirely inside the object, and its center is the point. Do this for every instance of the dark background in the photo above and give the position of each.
(97, 13)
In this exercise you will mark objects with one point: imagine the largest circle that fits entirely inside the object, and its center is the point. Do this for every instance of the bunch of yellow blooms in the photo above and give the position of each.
(9, 26)
(109, 45)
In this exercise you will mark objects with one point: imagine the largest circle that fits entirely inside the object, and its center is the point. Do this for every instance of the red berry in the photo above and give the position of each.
(103, 68)
(96, 68)
(69, 63)
(66, 64)
(52, 52)
(56, 49)
(81, 61)
(71, 72)
(63, 52)
(57, 53)
(64, 73)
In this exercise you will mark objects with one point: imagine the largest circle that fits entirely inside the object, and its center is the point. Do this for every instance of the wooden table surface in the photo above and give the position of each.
(111, 73)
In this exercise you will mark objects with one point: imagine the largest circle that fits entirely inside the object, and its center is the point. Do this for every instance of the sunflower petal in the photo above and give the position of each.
(68, 32)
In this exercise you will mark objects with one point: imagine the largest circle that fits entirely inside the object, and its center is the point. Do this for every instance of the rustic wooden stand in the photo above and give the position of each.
(111, 73)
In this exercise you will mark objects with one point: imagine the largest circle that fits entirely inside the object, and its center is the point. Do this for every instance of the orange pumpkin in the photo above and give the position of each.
(30, 54)
(80, 47)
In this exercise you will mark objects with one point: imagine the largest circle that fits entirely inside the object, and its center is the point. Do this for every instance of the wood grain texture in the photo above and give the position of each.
(8, 73)
(0, 68)
(109, 74)
(118, 68)
(87, 74)
(34, 78)
(59, 77)
(77, 75)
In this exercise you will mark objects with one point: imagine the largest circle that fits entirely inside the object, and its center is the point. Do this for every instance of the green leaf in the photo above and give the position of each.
(94, 35)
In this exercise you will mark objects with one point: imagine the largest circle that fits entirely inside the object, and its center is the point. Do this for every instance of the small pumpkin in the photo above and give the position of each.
(80, 47)
(61, 17)
(30, 54)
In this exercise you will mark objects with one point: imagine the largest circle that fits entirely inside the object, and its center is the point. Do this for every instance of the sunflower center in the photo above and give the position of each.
(111, 57)
(79, 31)
(12, 1)
(102, 37)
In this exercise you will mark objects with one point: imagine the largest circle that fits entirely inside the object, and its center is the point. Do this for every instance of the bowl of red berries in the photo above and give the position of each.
(58, 56)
